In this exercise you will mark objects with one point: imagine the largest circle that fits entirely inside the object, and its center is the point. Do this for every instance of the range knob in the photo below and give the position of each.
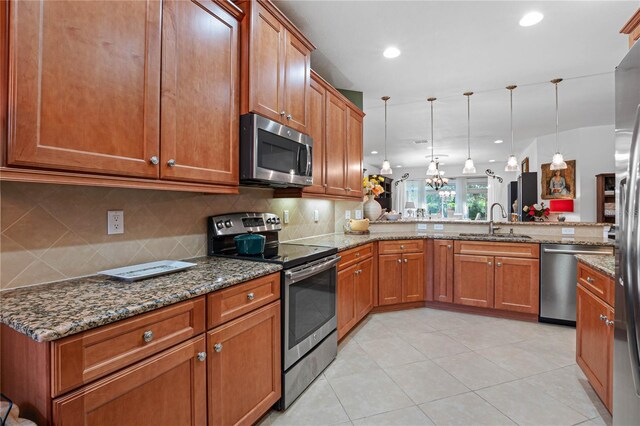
(228, 224)
(219, 224)
(277, 219)
(269, 220)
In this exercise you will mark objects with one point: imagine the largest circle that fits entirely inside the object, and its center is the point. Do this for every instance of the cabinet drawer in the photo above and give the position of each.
(354, 255)
(79, 359)
(225, 305)
(487, 248)
(597, 283)
(401, 246)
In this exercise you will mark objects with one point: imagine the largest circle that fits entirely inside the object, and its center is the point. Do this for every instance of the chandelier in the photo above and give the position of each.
(437, 180)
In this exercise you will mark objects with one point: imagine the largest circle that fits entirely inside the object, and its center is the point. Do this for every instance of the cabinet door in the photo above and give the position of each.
(473, 283)
(443, 271)
(244, 371)
(517, 286)
(354, 154)
(266, 64)
(336, 139)
(199, 93)
(346, 294)
(169, 388)
(413, 279)
(364, 288)
(594, 341)
(84, 93)
(389, 279)
(315, 128)
(297, 70)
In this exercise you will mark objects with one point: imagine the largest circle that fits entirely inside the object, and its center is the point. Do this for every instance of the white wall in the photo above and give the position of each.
(593, 150)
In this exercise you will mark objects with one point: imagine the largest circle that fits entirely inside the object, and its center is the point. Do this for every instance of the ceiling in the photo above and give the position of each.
(449, 47)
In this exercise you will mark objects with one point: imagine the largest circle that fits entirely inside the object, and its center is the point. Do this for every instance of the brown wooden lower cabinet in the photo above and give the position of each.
(594, 342)
(355, 294)
(473, 283)
(244, 367)
(169, 388)
(517, 284)
(364, 288)
(413, 277)
(443, 271)
(389, 279)
(401, 277)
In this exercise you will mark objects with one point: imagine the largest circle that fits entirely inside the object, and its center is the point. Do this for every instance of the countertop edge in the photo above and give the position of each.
(599, 262)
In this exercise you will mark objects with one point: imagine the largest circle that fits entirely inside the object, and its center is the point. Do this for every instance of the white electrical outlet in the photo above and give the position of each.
(285, 216)
(438, 227)
(115, 222)
(568, 231)
(316, 216)
(358, 214)
(422, 227)
(347, 214)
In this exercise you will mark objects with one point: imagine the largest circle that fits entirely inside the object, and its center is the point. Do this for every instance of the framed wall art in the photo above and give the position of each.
(559, 184)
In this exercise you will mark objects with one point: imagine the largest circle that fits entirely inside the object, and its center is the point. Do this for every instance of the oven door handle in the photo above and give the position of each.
(294, 276)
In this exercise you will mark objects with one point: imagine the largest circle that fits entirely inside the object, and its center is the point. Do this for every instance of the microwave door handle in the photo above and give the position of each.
(309, 170)
(630, 249)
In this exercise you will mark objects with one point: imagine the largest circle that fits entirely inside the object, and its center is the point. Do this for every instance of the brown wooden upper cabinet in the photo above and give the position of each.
(275, 66)
(150, 90)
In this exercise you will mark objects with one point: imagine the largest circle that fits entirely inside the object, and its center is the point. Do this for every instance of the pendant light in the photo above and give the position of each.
(512, 162)
(469, 168)
(557, 163)
(386, 166)
(433, 167)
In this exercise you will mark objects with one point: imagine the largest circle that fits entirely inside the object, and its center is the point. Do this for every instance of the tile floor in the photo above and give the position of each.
(425, 367)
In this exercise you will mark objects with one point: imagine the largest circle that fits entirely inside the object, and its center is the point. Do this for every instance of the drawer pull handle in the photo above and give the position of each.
(609, 322)
(590, 280)
(148, 336)
(202, 356)
(251, 296)
(217, 347)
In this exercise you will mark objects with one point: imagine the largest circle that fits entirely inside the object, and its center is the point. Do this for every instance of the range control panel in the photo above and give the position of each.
(243, 223)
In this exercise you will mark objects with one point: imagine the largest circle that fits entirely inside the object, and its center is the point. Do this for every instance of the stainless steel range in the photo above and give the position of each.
(308, 292)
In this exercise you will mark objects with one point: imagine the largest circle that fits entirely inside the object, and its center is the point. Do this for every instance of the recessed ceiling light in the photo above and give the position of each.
(399, 166)
(492, 161)
(391, 52)
(531, 18)
(498, 141)
(374, 152)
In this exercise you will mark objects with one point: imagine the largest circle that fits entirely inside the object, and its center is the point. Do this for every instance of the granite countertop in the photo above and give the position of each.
(486, 222)
(346, 241)
(51, 311)
(602, 263)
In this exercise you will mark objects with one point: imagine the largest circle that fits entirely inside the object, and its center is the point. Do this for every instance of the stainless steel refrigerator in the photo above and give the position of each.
(626, 365)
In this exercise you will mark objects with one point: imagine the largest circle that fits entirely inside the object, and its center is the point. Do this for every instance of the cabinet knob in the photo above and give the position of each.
(251, 296)
(282, 113)
(148, 336)
(217, 347)
(609, 322)
(449, 246)
(154, 160)
(498, 264)
(324, 185)
(489, 263)
(202, 356)
(289, 117)
(348, 189)
(406, 261)
(358, 254)
(603, 317)
(399, 260)
(401, 247)
(171, 163)
(590, 280)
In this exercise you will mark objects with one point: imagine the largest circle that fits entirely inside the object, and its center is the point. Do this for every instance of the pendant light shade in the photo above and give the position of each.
(557, 163)
(469, 168)
(512, 162)
(433, 168)
(386, 166)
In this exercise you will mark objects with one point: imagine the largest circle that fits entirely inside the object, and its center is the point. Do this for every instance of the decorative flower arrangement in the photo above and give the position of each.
(537, 211)
(372, 185)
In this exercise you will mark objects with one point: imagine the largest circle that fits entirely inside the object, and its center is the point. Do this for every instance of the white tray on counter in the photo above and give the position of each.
(147, 270)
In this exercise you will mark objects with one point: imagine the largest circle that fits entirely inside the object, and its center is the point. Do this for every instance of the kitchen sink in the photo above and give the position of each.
(482, 234)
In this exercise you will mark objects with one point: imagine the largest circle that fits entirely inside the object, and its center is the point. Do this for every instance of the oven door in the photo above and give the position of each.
(273, 153)
(309, 307)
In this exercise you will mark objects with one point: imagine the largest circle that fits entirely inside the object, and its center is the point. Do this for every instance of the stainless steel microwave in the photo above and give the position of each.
(274, 154)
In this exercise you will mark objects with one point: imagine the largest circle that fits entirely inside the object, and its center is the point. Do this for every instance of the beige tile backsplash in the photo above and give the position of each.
(53, 232)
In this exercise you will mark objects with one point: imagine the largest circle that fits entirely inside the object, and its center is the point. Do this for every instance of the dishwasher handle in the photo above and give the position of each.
(558, 251)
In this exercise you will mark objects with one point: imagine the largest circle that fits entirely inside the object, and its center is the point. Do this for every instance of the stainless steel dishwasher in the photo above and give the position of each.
(558, 271)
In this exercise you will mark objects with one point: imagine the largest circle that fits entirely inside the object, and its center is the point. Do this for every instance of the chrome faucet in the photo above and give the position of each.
(492, 229)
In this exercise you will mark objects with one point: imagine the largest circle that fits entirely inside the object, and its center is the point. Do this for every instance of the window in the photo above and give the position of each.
(477, 198)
